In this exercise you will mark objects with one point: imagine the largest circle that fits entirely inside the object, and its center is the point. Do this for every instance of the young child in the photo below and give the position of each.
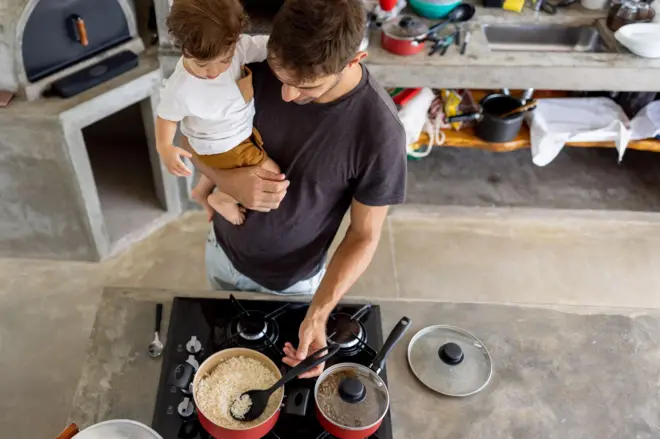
(210, 93)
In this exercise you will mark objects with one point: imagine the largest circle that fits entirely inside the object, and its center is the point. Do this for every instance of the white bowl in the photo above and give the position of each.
(642, 39)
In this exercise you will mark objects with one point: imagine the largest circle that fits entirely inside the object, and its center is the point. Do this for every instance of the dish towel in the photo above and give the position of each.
(558, 121)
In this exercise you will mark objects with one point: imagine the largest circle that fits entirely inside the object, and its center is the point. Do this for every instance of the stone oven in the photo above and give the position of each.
(69, 45)
(80, 177)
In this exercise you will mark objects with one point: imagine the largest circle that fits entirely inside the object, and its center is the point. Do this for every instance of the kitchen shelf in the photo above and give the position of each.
(466, 138)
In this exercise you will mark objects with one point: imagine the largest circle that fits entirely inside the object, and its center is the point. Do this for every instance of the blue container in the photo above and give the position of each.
(430, 9)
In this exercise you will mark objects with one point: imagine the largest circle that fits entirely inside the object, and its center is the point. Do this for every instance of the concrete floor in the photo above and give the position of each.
(579, 178)
(447, 254)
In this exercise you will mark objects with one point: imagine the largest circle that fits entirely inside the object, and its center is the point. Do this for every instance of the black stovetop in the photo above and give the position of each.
(214, 323)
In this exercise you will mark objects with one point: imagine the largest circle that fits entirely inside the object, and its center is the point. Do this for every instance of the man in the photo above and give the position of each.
(337, 138)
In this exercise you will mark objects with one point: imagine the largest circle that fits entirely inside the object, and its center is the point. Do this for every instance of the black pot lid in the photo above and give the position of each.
(405, 27)
(351, 396)
(450, 360)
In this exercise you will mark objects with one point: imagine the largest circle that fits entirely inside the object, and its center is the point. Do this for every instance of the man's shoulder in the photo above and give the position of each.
(377, 95)
(378, 114)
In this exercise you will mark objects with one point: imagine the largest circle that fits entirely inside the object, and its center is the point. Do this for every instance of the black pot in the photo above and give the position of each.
(491, 127)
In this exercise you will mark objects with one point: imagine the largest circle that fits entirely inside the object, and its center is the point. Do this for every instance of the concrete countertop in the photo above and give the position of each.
(482, 68)
(591, 373)
(119, 90)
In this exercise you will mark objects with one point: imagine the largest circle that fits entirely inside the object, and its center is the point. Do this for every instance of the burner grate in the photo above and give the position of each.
(348, 332)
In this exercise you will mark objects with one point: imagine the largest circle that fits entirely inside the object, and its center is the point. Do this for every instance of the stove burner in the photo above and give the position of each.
(346, 331)
(252, 328)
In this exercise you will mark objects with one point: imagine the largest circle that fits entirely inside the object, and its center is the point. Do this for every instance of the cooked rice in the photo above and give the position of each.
(217, 391)
(241, 406)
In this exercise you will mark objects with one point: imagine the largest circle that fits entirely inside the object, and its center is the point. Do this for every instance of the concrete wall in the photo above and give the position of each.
(41, 212)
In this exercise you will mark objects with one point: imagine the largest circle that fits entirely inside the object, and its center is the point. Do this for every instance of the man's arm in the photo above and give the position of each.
(351, 259)
(253, 187)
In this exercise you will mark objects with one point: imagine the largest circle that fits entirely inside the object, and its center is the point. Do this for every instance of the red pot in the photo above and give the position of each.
(218, 432)
(404, 35)
(359, 385)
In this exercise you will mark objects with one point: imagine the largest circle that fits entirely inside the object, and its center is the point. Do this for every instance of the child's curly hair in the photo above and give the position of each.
(206, 29)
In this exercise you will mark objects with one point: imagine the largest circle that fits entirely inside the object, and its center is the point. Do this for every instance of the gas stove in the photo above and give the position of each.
(200, 327)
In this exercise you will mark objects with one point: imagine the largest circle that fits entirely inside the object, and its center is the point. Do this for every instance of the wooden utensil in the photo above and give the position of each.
(69, 432)
(528, 106)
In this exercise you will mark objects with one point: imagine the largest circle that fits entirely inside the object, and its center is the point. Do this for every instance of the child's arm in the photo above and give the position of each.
(170, 154)
(252, 48)
(170, 111)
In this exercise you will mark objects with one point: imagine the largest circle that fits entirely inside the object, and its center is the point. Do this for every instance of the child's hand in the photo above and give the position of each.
(171, 156)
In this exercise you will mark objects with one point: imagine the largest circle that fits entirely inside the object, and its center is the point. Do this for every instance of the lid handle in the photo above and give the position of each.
(406, 21)
(351, 390)
(392, 340)
(451, 353)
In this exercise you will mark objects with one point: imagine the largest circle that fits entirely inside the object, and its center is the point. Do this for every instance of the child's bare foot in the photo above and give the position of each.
(230, 210)
(201, 198)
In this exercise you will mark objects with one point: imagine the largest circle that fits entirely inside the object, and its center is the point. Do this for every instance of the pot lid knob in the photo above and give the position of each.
(352, 390)
(406, 21)
(451, 353)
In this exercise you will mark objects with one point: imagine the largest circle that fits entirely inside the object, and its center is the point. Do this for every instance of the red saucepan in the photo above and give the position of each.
(182, 380)
(351, 399)
(404, 35)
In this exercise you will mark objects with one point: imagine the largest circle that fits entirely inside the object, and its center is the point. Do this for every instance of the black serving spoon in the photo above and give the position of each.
(259, 398)
(460, 14)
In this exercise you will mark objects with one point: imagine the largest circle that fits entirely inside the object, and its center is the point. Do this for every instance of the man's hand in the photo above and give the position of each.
(171, 156)
(252, 186)
(256, 188)
(312, 338)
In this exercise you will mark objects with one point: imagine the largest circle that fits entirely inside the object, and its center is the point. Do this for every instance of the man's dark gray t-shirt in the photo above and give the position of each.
(332, 153)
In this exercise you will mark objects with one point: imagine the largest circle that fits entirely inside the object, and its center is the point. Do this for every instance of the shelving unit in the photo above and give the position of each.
(466, 137)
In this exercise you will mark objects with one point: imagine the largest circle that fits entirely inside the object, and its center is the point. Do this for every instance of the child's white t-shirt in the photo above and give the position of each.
(213, 114)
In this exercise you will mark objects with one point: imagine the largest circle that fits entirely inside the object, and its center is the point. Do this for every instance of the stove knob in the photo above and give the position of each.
(186, 408)
(188, 390)
(193, 346)
(193, 362)
(182, 375)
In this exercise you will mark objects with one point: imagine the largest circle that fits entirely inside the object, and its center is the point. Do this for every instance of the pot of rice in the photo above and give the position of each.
(221, 379)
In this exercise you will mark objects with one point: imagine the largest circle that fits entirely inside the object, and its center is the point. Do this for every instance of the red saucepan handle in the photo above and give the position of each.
(392, 340)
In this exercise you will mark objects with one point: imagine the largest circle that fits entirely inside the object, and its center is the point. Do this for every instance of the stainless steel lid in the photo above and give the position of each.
(405, 27)
(450, 360)
(352, 396)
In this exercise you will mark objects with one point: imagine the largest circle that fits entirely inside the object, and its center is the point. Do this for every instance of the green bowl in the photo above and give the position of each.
(432, 10)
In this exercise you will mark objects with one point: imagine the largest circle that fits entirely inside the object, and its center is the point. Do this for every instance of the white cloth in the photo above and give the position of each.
(646, 123)
(558, 121)
(213, 114)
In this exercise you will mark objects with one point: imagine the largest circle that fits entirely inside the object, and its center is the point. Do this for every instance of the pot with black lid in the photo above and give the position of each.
(404, 35)
(351, 399)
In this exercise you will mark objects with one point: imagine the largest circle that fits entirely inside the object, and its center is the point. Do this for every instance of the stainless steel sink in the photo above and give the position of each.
(543, 38)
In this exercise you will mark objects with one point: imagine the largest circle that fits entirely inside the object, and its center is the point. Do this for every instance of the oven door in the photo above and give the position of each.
(60, 33)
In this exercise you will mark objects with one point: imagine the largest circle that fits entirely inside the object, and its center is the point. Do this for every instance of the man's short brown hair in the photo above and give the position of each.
(206, 29)
(313, 38)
